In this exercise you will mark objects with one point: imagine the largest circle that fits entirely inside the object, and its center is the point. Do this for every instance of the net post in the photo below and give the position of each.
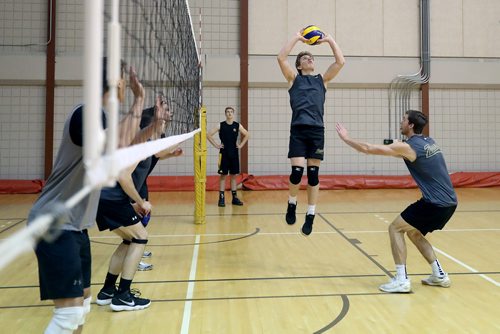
(200, 168)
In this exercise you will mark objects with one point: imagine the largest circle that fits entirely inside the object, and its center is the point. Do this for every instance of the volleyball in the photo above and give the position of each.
(312, 33)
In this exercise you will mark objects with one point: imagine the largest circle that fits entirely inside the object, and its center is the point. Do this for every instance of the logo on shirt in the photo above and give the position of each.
(431, 150)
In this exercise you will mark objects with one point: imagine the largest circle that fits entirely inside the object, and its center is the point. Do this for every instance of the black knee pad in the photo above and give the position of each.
(313, 175)
(296, 174)
(140, 241)
(126, 242)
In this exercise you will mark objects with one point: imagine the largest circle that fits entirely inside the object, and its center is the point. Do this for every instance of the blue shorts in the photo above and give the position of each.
(64, 266)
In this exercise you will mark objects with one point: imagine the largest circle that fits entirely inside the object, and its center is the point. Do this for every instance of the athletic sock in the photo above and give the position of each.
(110, 281)
(124, 285)
(292, 199)
(401, 271)
(311, 209)
(436, 269)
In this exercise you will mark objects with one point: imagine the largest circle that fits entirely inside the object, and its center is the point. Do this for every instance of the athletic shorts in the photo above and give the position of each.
(112, 214)
(64, 266)
(228, 164)
(307, 142)
(427, 217)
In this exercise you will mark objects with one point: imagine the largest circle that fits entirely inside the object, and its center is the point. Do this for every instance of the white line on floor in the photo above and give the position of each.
(189, 295)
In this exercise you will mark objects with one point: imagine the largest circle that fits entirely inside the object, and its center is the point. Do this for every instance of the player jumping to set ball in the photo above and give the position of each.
(307, 131)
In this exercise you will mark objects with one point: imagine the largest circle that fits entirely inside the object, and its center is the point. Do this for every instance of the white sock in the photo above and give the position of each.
(292, 199)
(311, 209)
(401, 271)
(436, 269)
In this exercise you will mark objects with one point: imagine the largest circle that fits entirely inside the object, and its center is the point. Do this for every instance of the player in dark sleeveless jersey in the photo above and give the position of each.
(117, 214)
(307, 131)
(426, 164)
(64, 264)
(229, 159)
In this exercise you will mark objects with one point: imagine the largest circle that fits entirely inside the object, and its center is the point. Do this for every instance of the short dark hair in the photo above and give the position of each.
(147, 117)
(225, 110)
(297, 60)
(418, 119)
(105, 86)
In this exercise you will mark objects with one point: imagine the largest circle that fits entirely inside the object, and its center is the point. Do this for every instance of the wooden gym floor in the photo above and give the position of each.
(247, 271)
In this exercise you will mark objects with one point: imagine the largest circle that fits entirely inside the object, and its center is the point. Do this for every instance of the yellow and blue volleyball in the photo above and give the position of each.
(312, 34)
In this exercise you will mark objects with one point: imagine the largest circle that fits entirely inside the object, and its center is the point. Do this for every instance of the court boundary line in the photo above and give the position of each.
(186, 317)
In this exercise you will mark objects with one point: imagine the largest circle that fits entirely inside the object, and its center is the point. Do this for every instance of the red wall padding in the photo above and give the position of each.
(280, 182)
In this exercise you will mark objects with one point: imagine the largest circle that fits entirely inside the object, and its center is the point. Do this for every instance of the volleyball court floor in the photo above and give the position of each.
(247, 271)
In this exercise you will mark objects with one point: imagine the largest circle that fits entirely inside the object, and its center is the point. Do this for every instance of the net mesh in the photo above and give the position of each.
(158, 40)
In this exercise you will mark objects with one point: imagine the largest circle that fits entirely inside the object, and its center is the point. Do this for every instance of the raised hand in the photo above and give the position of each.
(135, 84)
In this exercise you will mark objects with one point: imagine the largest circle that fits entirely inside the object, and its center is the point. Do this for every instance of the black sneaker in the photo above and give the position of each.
(221, 202)
(125, 301)
(290, 214)
(105, 295)
(308, 225)
(236, 201)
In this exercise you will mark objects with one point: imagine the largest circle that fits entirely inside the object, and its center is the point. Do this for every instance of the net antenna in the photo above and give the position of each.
(402, 87)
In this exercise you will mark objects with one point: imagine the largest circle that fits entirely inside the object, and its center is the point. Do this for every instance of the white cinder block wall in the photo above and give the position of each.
(379, 39)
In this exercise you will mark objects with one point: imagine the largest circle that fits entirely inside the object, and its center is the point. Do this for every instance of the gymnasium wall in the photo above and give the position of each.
(380, 40)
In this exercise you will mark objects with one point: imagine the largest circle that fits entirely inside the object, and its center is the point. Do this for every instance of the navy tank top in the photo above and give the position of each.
(307, 99)
(430, 172)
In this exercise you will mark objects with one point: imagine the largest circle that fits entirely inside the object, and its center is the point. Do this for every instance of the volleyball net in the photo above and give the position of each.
(157, 38)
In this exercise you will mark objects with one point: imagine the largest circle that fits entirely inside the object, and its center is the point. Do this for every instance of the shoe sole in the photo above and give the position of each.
(405, 291)
(119, 308)
(103, 302)
(145, 269)
(445, 285)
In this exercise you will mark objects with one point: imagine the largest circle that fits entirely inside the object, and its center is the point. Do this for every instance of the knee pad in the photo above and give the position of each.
(86, 310)
(126, 242)
(140, 241)
(296, 174)
(65, 320)
(313, 175)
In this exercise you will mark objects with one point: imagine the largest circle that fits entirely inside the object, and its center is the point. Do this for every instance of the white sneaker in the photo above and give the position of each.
(143, 266)
(146, 254)
(444, 281)
(396, 285)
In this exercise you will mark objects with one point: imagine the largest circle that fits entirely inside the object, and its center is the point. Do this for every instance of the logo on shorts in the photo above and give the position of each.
(77, 282)
(319, 151)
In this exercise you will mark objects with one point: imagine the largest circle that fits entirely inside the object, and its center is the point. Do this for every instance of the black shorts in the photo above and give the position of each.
(64, 266)
(229, 164)
(306, 141)
(112, 214)
(427, 217)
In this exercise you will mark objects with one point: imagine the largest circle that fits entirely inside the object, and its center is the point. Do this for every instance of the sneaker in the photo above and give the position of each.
(147, 254)
(105, 296)
(125, 301)
(444, 281)
(308, 225)
(143, 266)
(221, 203)
(396, 285)
(290, 213)
(236, 201)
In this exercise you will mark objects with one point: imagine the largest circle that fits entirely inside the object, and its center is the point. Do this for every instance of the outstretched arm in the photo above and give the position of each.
(334, 68)
(244, 136)
(288, 71)
(398, 149)
(129, 125)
